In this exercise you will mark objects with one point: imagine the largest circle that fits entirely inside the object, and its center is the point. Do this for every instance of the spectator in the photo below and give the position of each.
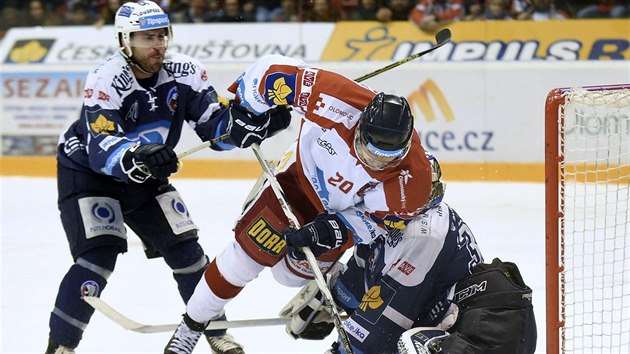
(198, 11)
(232, 12)
(430, 15)
(400, 9)
(107, 12)
(289, 12)
(473, 9)
(322, 11)
(366, 10)
(267, 9)
(10, 17)
(496, 10)
(604, 9)
(542, 10)
(38, 15)
(79, 15)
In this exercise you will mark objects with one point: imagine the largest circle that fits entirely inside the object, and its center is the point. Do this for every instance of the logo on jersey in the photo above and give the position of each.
(123, 82)
(406, 268)
(391, 222)
(178, 70)
(89, 288)
(335, 109)
(266, 237)
(102, 125)
(151, 99)
(29, 51)
(355, 330)
(280, 89)
(132, 114)
(326, 145)
(371, 299)
(171, 99)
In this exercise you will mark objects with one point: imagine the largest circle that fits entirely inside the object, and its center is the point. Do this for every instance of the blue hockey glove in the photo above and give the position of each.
(245, 128)
(324, 233)
(142, 161)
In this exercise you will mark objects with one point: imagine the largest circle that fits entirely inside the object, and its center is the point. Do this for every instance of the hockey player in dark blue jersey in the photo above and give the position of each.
(115, 160)
(425, 290)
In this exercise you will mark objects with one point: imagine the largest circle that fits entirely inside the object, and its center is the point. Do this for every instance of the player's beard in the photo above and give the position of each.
(152, 61)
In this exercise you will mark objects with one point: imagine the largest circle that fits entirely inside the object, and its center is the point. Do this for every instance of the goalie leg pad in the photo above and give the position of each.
(496, 311)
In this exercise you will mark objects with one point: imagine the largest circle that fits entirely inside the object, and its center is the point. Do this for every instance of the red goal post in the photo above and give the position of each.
(587, 226)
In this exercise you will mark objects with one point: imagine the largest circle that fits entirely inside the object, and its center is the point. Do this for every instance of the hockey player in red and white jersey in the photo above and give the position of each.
(356, 171)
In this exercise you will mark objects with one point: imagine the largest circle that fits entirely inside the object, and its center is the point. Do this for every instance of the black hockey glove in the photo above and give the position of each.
(324, 233)
(142, 161)
(279, 119)
(246, 128)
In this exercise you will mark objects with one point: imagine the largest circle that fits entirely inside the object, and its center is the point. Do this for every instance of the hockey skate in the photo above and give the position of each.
(224, 344)
(185, 337)
(54, 348)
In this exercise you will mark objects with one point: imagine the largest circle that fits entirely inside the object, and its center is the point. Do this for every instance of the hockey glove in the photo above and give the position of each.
(309, 318)
(324, 233)
(279, 119)
(421, 340)
(246, 128)
(142, 161)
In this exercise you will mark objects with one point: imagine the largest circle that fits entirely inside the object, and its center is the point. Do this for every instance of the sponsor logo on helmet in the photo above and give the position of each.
(266, 237)
(125, 11)
(384, 153)
(155, 21)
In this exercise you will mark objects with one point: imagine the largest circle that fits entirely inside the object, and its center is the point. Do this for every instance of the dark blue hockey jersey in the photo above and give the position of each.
(403, 281)
(119, 110)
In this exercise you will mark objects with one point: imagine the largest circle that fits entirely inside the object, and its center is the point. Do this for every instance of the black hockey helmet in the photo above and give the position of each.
(383, 134)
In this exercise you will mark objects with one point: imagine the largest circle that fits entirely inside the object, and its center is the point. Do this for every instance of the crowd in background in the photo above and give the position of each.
(427, 14)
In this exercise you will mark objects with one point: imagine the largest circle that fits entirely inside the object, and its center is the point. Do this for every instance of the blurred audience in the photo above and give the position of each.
(429, 15)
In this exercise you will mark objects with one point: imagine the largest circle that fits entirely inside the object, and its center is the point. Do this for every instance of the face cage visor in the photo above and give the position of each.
(375, 158)
(157, 38)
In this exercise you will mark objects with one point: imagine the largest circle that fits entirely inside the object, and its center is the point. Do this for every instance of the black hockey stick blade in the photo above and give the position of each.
(441, 38)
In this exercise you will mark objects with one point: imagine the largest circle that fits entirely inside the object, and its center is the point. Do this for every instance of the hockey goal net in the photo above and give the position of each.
(587, 189)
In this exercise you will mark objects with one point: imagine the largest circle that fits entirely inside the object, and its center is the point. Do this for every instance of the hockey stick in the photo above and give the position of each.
(310, 257)
(202, 146)
(441, 38)
(132, 325)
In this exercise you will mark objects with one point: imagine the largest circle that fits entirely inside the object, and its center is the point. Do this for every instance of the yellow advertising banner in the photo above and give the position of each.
(567, 40)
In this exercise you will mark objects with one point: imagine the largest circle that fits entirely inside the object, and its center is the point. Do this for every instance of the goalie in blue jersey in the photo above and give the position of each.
(425, 290)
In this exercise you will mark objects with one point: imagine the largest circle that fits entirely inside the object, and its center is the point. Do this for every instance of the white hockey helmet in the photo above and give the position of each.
(140, 16)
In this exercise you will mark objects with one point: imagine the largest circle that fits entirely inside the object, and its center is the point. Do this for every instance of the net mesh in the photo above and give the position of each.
(595, 201)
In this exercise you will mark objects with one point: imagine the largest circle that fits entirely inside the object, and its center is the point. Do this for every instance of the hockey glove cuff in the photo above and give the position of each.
(142, 161)
(324, 233)
(246, 128)
(279, 119)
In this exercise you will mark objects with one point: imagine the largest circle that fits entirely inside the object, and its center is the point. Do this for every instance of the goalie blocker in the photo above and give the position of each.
(495, 316)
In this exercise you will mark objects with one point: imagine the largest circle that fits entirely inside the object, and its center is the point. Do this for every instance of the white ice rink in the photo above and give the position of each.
(507, 220)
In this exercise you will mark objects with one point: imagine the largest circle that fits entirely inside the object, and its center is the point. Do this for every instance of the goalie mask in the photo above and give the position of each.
(142, 16)
(383, 135)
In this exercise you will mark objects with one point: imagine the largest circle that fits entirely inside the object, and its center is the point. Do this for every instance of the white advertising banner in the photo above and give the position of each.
(227, 43)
